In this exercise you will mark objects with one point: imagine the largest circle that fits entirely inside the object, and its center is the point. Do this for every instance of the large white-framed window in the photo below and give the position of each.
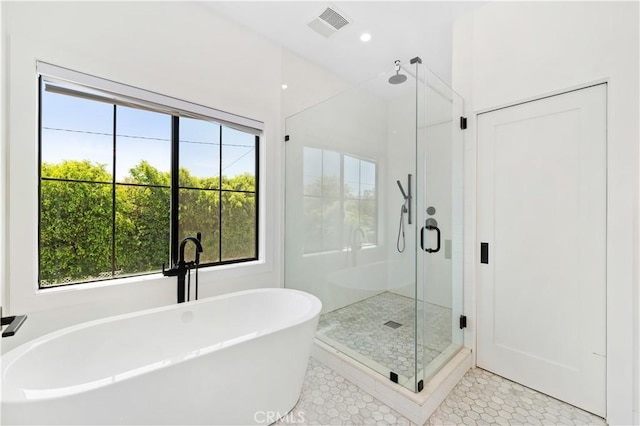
(126, 174)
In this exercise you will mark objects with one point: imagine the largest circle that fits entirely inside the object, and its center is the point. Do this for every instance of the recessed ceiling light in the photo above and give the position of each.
(365, 37)
(284, 86)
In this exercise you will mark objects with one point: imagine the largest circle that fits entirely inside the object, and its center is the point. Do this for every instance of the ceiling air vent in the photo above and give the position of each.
(329, 22)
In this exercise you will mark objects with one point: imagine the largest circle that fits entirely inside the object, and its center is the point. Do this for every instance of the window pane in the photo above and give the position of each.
(76, 170)
(238, 160)
(331, 175)
(75, 232)
(367, 191)
(143, 146)
(76, 130)
(360, 214)
(351, 177)
(367, 173)
(351, 222)
(351, 216)
(199, 212)
(142, 229)
(312, 171)
(199, 154)
(238, 225)
(331, 224)
(368, 220)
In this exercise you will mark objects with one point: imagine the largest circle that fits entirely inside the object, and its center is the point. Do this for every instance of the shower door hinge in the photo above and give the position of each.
(420, 385)
(463, 123)
(463, 321)
(286, 138)
(393, 377)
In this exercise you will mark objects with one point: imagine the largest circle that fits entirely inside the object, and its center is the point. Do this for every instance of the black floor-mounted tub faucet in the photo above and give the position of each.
(181, 269)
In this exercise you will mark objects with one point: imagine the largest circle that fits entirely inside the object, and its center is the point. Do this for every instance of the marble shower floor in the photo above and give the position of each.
(361, 327)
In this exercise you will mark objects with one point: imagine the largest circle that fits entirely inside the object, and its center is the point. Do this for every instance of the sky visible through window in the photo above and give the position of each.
(80, 129)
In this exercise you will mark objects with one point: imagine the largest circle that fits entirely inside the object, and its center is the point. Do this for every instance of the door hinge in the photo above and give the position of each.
(463, 321)
(463, 123)
(286, 138)
(393, 377)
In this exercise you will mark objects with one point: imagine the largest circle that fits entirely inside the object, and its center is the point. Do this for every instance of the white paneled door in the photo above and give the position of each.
(542, 221)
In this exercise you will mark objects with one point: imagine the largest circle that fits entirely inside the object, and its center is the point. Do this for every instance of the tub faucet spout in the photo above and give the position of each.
(184, 243)
(356, 238)
(181, 268)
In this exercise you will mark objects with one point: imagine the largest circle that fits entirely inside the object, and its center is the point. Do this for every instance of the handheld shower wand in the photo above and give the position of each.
(406, 208)
(401, 242)
(404, 194)
(407, 197)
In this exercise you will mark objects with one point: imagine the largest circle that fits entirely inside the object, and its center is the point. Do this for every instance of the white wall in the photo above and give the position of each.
(307, 84)
(180, 49)
(507, 52)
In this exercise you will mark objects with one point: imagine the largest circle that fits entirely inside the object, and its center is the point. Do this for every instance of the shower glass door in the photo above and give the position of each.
(439, 232)
(357, 188)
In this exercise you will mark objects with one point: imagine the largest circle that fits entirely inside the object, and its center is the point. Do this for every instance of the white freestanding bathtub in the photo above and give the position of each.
(234, 359)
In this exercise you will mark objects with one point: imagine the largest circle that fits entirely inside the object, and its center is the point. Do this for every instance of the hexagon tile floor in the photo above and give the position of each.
(329, 399)
(481, 398)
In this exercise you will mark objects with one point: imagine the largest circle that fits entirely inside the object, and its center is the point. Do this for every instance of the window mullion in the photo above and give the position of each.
(256, 195)
(113, 197)
(342, 208)
(40, 84)
(175, 191)
(220, 199)
(359, 194)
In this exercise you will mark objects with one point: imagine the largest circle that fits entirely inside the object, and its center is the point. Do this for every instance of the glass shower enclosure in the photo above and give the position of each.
(374, 217)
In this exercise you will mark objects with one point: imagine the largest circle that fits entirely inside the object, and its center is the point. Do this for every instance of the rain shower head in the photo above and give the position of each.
(398, 78)
(404, 194)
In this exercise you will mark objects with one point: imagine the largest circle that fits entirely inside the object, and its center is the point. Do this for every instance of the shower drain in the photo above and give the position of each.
(392, 324)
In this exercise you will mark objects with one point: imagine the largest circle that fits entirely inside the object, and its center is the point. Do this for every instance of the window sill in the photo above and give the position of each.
(224, 271)
(99, 284)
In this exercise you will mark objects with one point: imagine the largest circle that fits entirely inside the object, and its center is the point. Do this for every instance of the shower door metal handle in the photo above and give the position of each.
(430, 228)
